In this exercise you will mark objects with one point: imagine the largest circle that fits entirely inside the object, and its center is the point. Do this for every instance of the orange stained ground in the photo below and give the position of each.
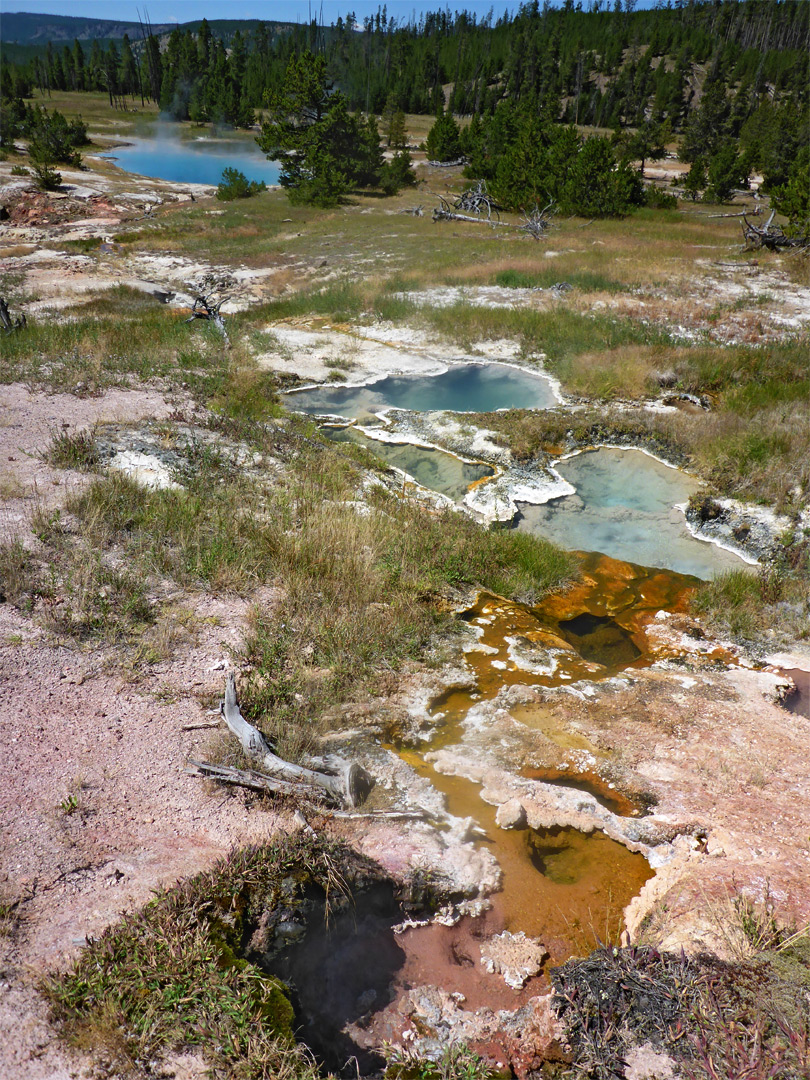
(566, 887)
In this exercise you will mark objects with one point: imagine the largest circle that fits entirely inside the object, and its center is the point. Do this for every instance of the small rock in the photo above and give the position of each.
(511, 815)
(515, 957)
(646, 1063)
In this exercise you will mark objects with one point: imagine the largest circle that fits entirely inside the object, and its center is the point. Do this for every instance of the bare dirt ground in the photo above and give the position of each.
(79, 727)
(97, 811)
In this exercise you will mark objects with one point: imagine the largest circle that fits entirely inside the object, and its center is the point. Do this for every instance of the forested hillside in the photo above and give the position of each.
(608, 67)
(730, 78)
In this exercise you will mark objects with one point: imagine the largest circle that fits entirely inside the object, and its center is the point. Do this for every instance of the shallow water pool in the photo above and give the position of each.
(194, 161)
(462, 388)
(433, 469)
(624, 507)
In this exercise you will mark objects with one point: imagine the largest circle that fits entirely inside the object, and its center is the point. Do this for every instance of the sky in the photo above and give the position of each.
(298, 10)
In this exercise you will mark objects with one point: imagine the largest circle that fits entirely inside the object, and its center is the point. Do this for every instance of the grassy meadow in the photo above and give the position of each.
(615, 339)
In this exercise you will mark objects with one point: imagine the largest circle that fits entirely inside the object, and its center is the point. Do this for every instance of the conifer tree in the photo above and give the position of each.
(324, 151)
(793, 198)
(444, 138)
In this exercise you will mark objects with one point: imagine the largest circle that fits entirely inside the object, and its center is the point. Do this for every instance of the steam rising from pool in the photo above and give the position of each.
(165, 154)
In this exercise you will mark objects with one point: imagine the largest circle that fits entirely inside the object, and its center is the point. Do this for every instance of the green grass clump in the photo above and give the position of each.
(457, 1062)
(83, 596)
(585, 280)
(72, 451)
(561, 333)
(359, 590)
(341, 301)
(530, 434)
(174, 976)
(123, 338)
(743, 604)
(18, 575)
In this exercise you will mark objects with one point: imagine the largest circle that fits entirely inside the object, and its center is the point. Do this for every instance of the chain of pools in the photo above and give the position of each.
(565, 887)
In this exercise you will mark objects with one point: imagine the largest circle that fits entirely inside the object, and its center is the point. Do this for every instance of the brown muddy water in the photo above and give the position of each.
(798, 702)
(592, 631)
(566, 887)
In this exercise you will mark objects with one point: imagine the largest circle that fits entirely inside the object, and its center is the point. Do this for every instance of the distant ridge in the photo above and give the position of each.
(25, 28)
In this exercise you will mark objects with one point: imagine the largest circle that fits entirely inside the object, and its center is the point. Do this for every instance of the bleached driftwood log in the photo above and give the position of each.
(249, 778)
(207, 308)
(349, 786)
(770, 236)
(256, 781)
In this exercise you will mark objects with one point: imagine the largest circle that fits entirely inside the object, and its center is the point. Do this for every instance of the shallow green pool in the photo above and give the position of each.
(433, 469)
(624, 507)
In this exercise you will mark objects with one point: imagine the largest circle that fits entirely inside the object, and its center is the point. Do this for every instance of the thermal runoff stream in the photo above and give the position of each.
(567, 887)
(564, 886)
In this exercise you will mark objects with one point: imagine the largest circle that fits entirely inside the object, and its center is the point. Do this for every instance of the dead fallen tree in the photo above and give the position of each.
(537, 221)
(737, 213)
(341, 783)
(533, 223)
(256, 781)
(447, 164)
(445, 212)
(207, 308)
(477, 200)
(770, 236)
(7, 321)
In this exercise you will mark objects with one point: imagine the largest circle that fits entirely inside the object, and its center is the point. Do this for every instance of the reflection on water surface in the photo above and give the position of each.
(462, 388)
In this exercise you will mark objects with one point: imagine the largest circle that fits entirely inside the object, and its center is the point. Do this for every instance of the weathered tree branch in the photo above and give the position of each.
(534, 223)
(205, 308)
(7, 322)
(349, 787)
(254, 781)
(770, 236)
(477, 200)
(249, 778)
(737, 213)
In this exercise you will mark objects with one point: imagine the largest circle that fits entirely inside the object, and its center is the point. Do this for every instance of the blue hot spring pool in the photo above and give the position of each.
(462, 388)
(194, 161)
(624, 507)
